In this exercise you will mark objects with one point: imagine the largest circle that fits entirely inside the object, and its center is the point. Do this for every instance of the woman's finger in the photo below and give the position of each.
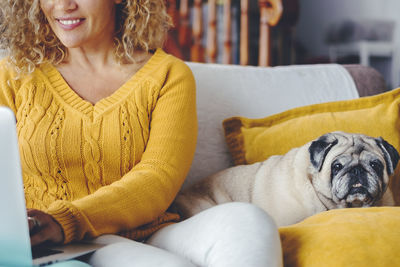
(33, 223)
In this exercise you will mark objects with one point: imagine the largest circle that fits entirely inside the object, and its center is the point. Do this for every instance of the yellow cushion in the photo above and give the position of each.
(356, 237)
(253, 140)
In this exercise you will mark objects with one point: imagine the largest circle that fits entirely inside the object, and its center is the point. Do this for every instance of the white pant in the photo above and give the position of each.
(232, 234)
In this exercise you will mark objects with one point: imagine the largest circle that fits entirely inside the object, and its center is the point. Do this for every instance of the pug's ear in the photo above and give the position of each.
(320, 148)
(390, 153)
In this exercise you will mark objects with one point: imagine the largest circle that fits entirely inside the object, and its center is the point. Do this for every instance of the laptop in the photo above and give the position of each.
(15, 248)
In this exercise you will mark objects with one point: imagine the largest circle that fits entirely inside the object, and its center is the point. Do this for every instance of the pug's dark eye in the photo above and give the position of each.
(377, 166)
(336, 168)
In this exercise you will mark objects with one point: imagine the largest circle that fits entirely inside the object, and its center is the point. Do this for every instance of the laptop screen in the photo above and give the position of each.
(15, 248)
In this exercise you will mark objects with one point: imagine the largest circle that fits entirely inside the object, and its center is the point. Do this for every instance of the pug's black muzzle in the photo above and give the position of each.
(358, 186)
(358, 179)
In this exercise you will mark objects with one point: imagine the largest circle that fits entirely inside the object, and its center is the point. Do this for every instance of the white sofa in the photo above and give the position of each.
(229, 90)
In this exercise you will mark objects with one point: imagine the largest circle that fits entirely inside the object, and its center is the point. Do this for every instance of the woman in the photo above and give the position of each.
(107, 129)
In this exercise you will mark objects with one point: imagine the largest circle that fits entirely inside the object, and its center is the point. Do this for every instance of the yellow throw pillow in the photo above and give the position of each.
(254, 140)
(344, 238)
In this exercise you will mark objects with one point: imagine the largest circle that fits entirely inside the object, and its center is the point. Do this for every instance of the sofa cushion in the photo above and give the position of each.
(344, 237)
(253, 140)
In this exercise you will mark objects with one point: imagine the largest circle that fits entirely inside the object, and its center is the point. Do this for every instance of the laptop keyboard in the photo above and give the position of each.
(40, 251)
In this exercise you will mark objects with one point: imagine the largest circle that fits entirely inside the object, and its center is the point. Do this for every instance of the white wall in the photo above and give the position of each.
(317, 15)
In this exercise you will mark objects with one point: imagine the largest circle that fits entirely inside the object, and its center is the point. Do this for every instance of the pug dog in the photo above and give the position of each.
(337, 170)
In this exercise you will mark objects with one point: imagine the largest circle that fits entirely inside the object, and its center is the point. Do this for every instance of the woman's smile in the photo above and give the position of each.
(69, 24)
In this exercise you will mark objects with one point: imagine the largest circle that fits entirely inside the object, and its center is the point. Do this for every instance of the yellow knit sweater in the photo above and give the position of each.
(112, 167)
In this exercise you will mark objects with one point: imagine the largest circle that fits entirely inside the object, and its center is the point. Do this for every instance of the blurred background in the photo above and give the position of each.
(324, 26)
(308, 32)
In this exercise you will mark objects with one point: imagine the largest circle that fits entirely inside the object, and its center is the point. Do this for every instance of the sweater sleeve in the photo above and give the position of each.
(148, 189)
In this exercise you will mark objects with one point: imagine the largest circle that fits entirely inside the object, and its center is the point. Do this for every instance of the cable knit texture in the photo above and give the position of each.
(112, 167)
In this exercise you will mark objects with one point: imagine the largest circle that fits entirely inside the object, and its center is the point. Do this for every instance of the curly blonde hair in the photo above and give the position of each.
(30, 42)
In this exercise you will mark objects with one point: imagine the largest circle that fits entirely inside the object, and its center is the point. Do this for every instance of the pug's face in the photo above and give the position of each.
(351, 170)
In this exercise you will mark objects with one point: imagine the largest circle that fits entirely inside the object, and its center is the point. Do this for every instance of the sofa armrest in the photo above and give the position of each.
(368, 80)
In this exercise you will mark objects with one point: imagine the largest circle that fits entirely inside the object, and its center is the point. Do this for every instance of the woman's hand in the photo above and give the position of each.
(43, 228)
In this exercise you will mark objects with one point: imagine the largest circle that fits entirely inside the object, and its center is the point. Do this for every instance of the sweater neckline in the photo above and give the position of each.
(70, 97)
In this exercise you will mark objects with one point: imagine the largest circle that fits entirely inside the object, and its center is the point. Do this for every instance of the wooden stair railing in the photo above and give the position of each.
(227, 40)
(244, 32)
(197, 49)
(212, 31)
(270, 13)
(190, 30)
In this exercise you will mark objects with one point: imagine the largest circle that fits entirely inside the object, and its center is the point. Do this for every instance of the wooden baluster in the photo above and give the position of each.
(264, 42)
(212, 31)
(184, 28)
(227, 55)
(244, 32)
(197, 50)
(270, 13)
